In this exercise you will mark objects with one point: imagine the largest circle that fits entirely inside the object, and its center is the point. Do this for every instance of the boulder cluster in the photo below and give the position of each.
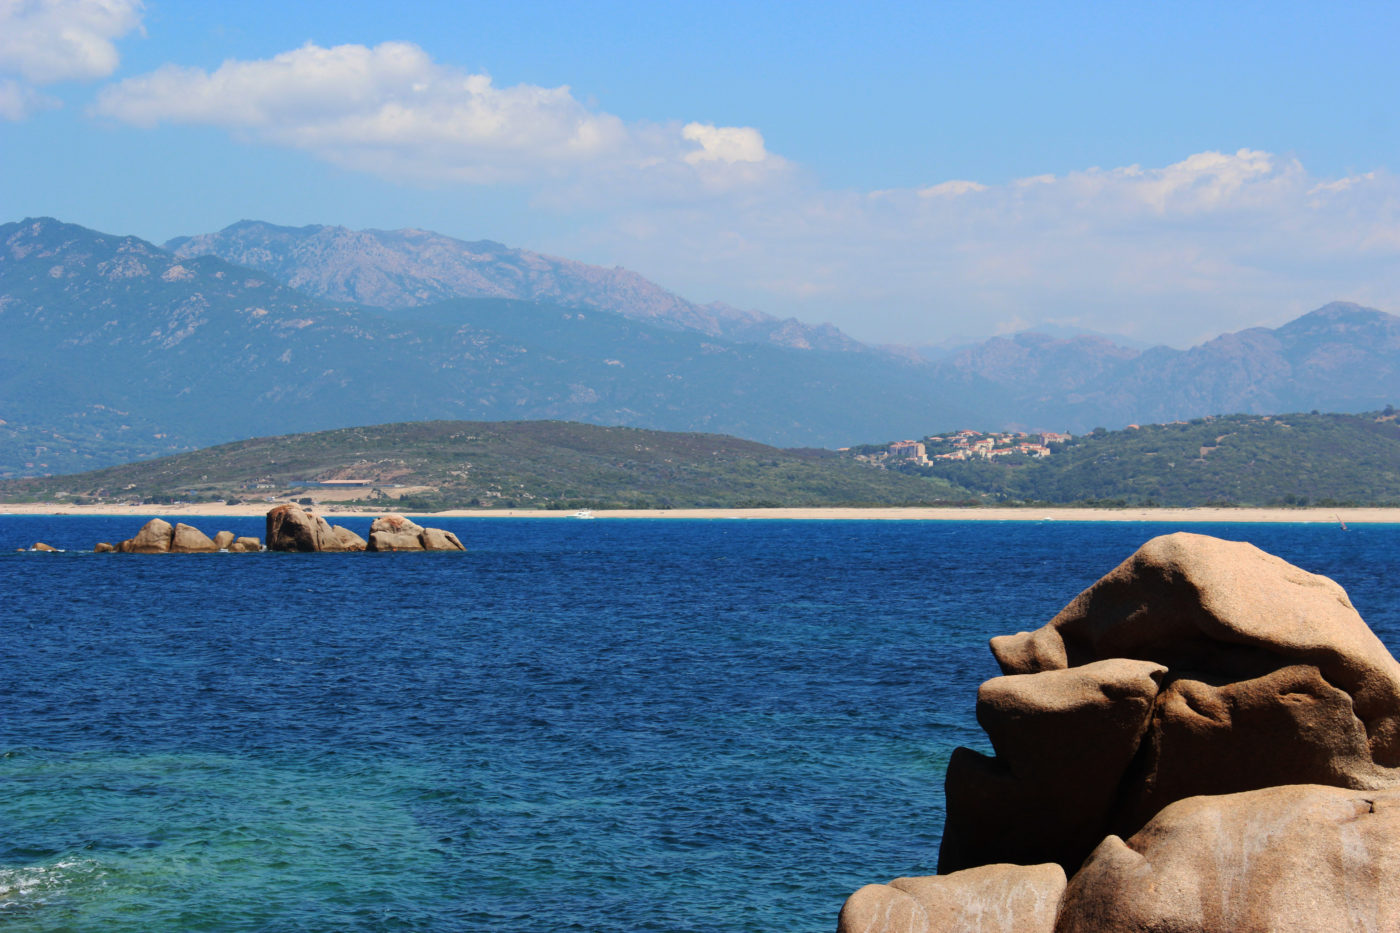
(289, 528)
(292, 528)
(1206, 739)
(161, 537)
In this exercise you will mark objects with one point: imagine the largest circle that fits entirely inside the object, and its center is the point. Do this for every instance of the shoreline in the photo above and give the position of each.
(989, 514)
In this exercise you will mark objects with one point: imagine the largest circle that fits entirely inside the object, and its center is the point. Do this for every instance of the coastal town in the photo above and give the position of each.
(966, 444)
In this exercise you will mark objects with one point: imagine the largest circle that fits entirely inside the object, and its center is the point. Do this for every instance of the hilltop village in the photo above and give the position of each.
(963, 445)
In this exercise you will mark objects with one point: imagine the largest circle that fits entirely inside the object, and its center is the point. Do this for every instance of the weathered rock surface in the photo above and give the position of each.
(160, 537)
(186, 539)
(245, 543)
(990, 899)
(1267, 676)
(397, 533)
(435, 539)
(1198, 603)
(153, 538)
(1228, 714)
(346, 540)
(1296, 858)
(41, 546)
(292, 528)
(1064, 740)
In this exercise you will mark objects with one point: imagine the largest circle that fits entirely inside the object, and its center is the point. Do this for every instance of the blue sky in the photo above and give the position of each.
(909, 172)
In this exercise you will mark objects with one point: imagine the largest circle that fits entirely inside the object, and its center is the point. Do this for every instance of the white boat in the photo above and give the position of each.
(582, 513)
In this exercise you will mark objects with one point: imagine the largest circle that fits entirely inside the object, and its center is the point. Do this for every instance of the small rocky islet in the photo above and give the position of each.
(1206, 739)
(289, 528)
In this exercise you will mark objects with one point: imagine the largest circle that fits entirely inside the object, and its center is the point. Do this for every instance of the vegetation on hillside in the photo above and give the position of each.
(1258, 460)
(433, 465)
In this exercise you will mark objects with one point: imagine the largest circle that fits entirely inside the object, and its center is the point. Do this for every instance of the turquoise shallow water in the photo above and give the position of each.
(608, 725)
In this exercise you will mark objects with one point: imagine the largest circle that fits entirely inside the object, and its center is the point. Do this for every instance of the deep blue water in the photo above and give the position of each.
(615, 725)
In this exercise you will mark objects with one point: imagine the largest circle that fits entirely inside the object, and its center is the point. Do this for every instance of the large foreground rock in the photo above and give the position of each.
(1064, 741)
(1198, 666)
(1297, 858)
(1227, 714)
(990, 899)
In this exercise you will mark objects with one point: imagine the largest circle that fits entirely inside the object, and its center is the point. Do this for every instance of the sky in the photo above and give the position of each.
(911, 172)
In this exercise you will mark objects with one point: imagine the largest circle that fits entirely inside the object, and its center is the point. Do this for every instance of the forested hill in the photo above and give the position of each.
(426, 466)
(1298, 459)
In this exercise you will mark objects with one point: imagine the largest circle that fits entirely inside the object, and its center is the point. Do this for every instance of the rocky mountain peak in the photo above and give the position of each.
(398, 269)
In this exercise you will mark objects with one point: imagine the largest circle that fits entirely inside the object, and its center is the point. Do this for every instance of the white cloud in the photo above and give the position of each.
(391, 110)
(46, 41)
(1216, 241)
(952, 189)
(724, 143)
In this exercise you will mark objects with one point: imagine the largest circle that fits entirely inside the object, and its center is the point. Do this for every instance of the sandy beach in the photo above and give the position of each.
(1336, 515)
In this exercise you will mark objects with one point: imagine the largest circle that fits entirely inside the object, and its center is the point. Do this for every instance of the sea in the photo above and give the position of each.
(608, 725)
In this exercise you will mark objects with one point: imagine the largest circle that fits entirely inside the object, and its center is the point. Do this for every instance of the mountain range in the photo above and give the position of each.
(398, 269)
(116, 349)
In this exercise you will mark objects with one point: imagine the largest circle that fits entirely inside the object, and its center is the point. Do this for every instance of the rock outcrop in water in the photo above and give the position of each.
(187, 539)
(397, 533)
(160, 537)
(292, 528)
(1227, 714)
(289, 528)
(153, 538)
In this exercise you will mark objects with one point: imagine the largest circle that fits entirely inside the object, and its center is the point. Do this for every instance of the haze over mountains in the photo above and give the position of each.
(115, 346)
(115, 349)
(398, 269)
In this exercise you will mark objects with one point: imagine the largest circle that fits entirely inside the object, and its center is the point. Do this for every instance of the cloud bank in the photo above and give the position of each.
(391, 110)
(47, 41)
(1215, 241)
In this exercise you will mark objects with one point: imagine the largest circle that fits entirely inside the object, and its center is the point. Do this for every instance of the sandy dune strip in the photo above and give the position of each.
(1333, 515)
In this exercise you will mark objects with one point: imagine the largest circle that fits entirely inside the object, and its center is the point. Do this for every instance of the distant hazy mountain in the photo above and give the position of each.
(114, 347)
(1341, 357)
(952, 346)
(407, 268)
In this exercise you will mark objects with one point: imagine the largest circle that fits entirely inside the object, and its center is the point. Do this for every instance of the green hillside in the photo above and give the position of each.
(524, 464)
(1259, 460)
